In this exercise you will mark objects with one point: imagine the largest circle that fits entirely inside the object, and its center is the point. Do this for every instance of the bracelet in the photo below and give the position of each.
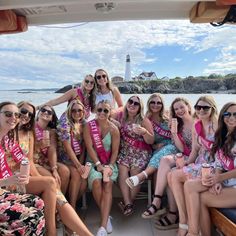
(54, 168)
(111, 166)
(97, 163)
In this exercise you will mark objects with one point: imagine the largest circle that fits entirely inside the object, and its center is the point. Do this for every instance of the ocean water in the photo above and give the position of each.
(41, 97)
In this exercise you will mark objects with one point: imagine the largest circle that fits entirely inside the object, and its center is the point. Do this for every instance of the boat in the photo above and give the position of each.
(27, 13)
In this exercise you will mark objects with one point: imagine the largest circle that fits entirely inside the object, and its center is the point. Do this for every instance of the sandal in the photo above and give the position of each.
(128, 210)
(152, 210)
(183, 228)
(121, 205)
(165, 223)
(134, 181)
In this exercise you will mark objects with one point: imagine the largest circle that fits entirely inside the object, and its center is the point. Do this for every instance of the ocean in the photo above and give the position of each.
(41, 97)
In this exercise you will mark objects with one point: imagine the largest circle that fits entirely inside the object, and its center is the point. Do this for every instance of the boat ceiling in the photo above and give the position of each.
(45, 12)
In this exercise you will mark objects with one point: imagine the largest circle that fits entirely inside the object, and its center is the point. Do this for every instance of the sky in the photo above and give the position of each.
(58, 55)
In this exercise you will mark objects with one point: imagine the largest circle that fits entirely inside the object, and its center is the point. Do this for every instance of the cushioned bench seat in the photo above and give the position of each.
(224, 224)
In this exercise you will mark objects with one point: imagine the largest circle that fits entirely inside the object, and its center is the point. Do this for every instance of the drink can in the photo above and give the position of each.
(206, 169)
(106, 170)
(87, 170)
(25, 167)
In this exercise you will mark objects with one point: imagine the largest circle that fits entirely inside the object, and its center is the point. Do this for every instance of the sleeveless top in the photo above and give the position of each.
(108, 96)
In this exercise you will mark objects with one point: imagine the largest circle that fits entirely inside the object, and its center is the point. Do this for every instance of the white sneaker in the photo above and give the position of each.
(101, 232)
(109, 225)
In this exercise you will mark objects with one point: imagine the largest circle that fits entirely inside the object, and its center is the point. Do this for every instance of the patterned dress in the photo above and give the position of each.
(93, 174)
(21, 214)
(168, 148)
(132, 156)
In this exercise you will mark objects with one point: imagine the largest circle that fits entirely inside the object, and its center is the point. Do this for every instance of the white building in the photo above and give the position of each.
(127, 68)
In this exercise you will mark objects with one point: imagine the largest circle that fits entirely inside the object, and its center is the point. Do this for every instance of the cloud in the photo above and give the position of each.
(53, 57)
(177, 59)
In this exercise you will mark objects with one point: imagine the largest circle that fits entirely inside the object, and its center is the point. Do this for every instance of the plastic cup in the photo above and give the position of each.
(87, 170)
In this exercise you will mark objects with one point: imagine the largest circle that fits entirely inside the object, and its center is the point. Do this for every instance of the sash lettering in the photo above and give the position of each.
(227, 162)
(160, 131)
(76, 146)
(96, 136)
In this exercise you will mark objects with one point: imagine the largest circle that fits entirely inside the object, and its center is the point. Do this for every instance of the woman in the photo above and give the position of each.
(135, 150)
(45, 185)
(102, 141)
(21, 214)
(162, 144)
(45, 152)
(203, 137)
(71, 151)
(181, 133)
(85, 93)
(219, 188)
(105, 89)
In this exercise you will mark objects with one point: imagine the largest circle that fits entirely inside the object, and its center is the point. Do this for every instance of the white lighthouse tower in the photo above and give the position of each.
(127, 69)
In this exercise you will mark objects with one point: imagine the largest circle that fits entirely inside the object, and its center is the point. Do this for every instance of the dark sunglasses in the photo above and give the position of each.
(10, 114)
(229, 114)
(76, 110)
(24, 111)
(132, 102)
(157, 103)
(101, 76)
(43, 110)
(104, 110)
(205, 108)
(89, 82)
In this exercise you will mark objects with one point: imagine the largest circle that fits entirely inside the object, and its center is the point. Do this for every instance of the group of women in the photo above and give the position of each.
(122, 143)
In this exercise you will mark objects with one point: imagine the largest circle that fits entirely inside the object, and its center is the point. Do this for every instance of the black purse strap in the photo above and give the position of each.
(230, 17)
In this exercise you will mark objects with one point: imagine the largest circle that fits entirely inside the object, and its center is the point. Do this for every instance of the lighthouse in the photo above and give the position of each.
(127, 69)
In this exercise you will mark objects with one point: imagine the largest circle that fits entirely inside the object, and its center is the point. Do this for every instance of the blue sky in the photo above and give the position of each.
(55, 56)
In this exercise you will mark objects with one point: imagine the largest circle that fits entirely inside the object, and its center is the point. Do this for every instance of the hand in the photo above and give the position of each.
(139, 130)
(208, 180)
(216, 189)
(100, 168)
(81, 169)
(110, 171)
(56, 176)
(23, 179)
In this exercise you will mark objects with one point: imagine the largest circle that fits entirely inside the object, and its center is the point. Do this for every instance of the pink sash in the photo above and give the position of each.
(76, 146)
(139, 144)
(186, 149)
(227, 162)
(17, 155)
(84, 101)
(96, 136)
(205, 142)
(160, 131)
(39, 137)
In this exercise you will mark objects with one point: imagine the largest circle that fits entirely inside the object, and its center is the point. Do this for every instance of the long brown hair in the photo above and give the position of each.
(223, 139)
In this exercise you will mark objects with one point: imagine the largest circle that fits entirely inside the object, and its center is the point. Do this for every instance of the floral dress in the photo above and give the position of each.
(130, 155)
(21, 214)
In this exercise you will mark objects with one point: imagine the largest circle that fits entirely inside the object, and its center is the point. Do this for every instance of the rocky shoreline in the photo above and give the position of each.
(175, 86)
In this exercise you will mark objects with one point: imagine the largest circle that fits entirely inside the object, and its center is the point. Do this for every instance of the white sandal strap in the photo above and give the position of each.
(144, 172)
(132, 181)
(183, 226)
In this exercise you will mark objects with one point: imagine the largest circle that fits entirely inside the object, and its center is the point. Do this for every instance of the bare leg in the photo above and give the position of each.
(106, 202)
(46, 188)
(97, 191)
(70, 218)
(149, 171)
(211, 200)
(192, 189)
(74, 185)
(125, 190)
(64, 173)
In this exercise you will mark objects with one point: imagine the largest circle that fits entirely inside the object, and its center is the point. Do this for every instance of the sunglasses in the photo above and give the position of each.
(43, 110)
(76, 110)
(153, 103)
(89, 82)
(106, 111)
(24, 111)
(229, 114)
(101, 76)
(132, 102)
(10, 114)
(205, 108)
